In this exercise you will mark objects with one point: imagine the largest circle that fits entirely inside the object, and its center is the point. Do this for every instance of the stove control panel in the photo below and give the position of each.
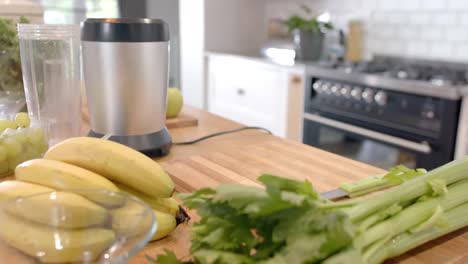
(381, 105)
(358, 93)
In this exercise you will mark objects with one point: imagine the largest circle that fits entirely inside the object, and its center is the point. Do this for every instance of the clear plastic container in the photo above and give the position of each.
(11, 102)
(51, 65)
(65, 227)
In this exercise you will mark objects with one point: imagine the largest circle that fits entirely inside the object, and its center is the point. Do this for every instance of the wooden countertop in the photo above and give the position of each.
(449, 249)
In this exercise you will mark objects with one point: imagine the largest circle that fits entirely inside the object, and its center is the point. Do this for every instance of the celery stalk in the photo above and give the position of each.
(379, 216)
(456, 219)
(412, 189)
(399, 223)
(416, 214)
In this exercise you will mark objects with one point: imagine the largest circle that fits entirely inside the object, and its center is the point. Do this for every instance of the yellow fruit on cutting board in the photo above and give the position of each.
(175, 102)
(116, 162)
(13, 189)
(166, 224)
(63, 176)
(59, 209)
(168, 205)
(52, 245)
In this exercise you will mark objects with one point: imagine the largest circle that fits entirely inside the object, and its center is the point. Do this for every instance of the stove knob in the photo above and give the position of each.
(326, 88)
(356, 93)
(335, 89)
(368, 95)
(381, 98)
(429, 114)
(345, 90)
(317, 86)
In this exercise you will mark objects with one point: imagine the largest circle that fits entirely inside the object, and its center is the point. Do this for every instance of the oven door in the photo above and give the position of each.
(371, 147)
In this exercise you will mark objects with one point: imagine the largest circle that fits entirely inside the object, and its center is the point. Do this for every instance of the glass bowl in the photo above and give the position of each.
(78, 226)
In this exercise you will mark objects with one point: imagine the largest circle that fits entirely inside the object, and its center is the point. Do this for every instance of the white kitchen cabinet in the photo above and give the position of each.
(255, 92)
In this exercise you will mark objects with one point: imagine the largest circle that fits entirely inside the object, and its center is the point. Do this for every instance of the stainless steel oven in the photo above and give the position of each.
(375, 148)
(383, 120)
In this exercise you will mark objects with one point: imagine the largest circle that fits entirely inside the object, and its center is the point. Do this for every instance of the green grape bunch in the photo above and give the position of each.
(19, 142)
(11, 78)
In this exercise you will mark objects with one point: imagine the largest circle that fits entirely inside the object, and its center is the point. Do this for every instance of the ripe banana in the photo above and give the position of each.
(14, 189)
(51, 245)
(129, 220)
(116, 162)
(63, 176)
(58, 209)
(167, 205)
(42, 204)
(166, 224)
(133, 219)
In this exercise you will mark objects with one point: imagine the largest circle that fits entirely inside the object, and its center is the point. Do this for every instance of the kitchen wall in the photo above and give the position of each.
(234, 26)
(192, 48)
(168, 10)
(435, 29)
(228, 26)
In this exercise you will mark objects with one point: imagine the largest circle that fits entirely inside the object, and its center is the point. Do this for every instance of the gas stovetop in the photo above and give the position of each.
(414, 76)
(434, 72)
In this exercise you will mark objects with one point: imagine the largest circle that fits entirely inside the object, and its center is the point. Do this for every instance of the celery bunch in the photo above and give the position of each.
(288, 222)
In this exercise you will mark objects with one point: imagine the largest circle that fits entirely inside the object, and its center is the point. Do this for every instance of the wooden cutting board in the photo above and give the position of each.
(244, 165)
(182, 120)
(285, 158)
(280, 157)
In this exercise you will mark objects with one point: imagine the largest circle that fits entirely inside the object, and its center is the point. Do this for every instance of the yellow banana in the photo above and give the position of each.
(45, 206)
(63, 176)
(14, 189)
(167, 205)
(116, 162)
(59, 209)
(166, 224)
(133, 219)
(130, 221)
(52, 245)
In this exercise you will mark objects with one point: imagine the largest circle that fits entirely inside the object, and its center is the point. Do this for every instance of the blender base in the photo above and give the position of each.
(154, 145)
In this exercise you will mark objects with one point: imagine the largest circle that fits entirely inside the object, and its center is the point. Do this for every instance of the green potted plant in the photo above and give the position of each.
(308, 34)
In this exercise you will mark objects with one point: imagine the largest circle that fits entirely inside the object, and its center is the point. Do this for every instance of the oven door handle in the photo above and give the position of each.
(422, 147)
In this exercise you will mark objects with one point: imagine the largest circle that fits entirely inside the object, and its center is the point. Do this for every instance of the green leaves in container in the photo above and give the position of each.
(11, 78)
(309, 23)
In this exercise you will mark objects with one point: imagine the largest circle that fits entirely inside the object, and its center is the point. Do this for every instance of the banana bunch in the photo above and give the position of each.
(91, 220)
(168, 212)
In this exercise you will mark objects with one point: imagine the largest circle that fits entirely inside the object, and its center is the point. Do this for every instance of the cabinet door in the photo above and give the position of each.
(249, 92)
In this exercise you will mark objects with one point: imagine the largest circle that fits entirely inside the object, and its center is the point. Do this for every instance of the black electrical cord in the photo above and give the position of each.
(222, 133)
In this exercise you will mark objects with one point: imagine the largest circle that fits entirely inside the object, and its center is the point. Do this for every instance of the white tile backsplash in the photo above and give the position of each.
(456, 34)
(457, 4)
(435, 29)
(462, 18)
(441, 50)
(419, 18)
(444, 19)
(398, 18)
(408, 33)
(435, 33)
(416, 48)
(409, 4)
(432, 4)
(388, 5)
(461, 51)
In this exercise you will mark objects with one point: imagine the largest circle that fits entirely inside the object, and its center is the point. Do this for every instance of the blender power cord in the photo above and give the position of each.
(222, 133)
